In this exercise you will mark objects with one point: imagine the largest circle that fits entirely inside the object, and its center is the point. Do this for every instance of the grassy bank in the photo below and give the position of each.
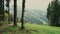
(32, 29)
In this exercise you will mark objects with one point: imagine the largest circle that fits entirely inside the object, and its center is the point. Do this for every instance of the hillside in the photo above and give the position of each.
(32, 29)
(33, 15)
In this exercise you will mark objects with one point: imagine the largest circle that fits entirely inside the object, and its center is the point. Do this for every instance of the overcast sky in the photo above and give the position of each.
(33, 4)
(37, 4)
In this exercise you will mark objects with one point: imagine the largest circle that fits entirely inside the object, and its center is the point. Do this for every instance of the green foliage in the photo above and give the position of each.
(7, 3)
(1, 11)
(53, 12)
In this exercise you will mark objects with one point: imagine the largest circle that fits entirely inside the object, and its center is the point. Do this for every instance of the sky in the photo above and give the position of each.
(37, 4)
(33, 4)
(30, 4)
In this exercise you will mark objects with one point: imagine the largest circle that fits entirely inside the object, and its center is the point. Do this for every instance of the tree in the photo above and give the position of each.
(15, 12)
(23, 10)
(7, 5)
(53, 12)
(1, 11)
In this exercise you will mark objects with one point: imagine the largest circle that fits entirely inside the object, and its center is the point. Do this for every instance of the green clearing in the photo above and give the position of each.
(31, 29)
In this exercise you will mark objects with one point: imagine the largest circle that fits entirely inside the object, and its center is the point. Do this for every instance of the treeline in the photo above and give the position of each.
(53, 13)
(5, 15)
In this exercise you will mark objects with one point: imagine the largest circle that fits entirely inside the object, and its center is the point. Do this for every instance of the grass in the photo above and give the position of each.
(39, 29)
(32, 29)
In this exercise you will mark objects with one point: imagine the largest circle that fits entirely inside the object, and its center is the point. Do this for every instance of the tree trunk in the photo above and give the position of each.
(23, 10)
(15, 12)
(1, 11)
(8, 12)
(3, 8)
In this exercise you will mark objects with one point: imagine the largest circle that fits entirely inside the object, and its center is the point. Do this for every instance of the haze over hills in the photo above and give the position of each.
(35, 10)
(36, 16)
(33, 15)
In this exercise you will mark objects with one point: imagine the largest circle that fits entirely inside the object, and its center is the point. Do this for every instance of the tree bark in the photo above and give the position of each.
(15, 12)
(23, 10)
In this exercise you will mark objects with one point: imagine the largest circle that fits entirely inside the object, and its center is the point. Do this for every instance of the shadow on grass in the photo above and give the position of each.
(15, 30)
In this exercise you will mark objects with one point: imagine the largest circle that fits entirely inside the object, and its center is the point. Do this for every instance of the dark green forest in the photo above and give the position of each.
(53, 13)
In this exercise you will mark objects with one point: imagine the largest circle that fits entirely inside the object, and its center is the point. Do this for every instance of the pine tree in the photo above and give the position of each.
(1, 11)
(53, 12)
(15, 12)
(22, 18)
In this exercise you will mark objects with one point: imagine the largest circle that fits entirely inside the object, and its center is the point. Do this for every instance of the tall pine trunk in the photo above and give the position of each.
(8, 12)
(1, 11)
(15, 12)
(23, 10)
